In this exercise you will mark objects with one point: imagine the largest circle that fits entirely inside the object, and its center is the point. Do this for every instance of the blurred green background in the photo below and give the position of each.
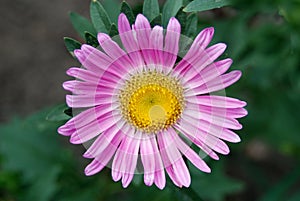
(36, 164)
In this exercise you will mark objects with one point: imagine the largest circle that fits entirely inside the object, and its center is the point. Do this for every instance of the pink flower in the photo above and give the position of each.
(139, 106)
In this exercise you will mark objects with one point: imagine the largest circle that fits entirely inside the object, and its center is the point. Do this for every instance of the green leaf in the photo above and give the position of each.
(71, 45)
(114, 9)
(151, 9)
(81, 24)
(191, 25)
(182, 17)
(202, 5)
(216, 185)
(156, 21)
(170, 9)
(99, 17)
(58, 113)
(126, 9)
(113, 30)
(91, 39)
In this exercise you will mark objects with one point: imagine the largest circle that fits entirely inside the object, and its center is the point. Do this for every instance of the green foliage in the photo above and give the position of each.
(156, 21)
(279, 191)
(191, 25)
(202, 5)
(126, 9)
(216, 185)
(58, 113)
(71, 45)
(151, 9)
(81, 24)
(91, 40)
(99, 17)
(170, 9)
(113, 30)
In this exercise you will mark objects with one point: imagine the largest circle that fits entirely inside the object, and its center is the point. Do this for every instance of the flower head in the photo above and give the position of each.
(140, 106)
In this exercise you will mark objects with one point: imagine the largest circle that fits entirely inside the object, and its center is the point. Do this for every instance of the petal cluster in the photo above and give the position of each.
(206, 120)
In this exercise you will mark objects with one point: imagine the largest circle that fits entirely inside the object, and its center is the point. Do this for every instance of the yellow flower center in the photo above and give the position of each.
(151, 101)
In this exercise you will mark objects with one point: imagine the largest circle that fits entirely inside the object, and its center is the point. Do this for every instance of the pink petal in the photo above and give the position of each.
(83, 74)
(93, 129)
(210, 72)
(171, 44)
(189, 153)
(211, 141)
(159, 175)
(154, 55)
(104, 157)
(223, 112)
(216, 84)
(100, 63)
(85, 88)
(129, 41)
(130, 157)
(148, 160)
(103, 141)
(198, 46)
(81, 101)
(84, 118)
(216, 120)
(199, 143)
(143, 29)
(207, 57)
(173, 161)
(217, 101)
(119, 56)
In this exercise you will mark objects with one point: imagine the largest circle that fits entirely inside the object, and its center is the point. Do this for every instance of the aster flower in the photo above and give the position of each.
(139, 106)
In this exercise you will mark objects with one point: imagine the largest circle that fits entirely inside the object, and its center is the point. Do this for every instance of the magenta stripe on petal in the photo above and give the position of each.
(83, 74)
(197, 142)
(171, 44)
(159, 175)
(129, 41)
(148, 160)
(103, 158)
(143, 29)
(217, 101)
(173, 161)
(210, 72)
(198, 46)
(93, 129)
(217, 84)
(105, 139)
(189, 153)
(117, 166)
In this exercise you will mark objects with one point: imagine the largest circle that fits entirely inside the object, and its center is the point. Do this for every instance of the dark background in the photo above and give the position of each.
(33, 57)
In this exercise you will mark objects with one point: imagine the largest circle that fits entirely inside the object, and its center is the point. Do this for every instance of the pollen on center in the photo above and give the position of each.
(151, 101)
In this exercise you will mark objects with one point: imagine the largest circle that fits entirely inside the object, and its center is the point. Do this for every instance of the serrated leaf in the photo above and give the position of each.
(156, 21)
(71, 45)
(126, 9)
(191, 25)
(91, 39)
(113, 30)
(58, 113)
(151, 9)
(170, 9)
(202, 5)
(81, 24)
(99, 17)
